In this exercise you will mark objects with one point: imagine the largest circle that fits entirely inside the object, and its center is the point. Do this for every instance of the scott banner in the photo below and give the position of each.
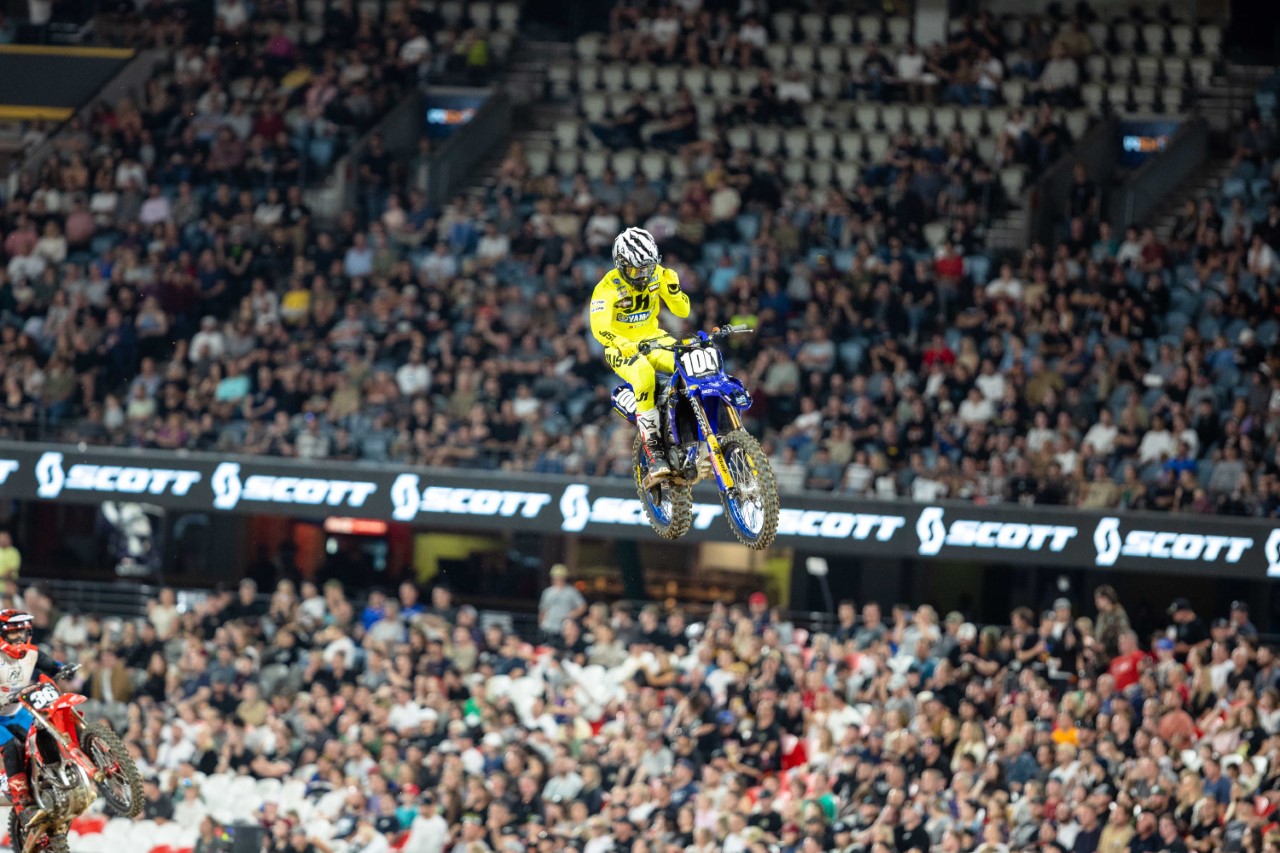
(1006, 533)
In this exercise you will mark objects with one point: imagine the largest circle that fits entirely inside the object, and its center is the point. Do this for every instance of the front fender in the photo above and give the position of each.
(727, 388)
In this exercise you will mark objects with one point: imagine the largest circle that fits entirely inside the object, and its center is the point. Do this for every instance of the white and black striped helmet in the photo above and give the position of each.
(635, 254)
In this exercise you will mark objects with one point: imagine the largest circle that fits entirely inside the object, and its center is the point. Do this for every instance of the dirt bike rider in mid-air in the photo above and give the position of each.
(624, 311)
(19, 662)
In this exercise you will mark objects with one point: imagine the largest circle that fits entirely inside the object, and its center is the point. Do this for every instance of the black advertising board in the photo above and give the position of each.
(482, 500)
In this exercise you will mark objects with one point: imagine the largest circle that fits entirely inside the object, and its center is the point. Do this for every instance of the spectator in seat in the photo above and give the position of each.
(909, 73)
(681, 125)
(872, 76)
(1253, 145)
(110, 680)
(1060, 81)
(624, 132)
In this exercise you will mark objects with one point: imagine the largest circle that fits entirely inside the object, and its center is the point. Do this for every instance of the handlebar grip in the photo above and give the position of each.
(643, 347)
(67, 671)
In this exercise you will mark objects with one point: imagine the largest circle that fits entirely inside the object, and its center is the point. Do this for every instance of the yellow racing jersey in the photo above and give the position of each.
(619, 311)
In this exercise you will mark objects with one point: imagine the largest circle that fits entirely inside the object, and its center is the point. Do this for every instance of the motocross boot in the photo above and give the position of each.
(20, 795)
(656, 455)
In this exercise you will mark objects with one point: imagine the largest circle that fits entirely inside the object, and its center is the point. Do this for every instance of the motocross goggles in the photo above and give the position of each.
(637, 276)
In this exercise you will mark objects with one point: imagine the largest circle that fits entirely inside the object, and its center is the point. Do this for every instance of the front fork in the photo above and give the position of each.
(707, 434)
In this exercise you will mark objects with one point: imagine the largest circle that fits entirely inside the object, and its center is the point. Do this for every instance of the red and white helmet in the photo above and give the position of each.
(15, 626)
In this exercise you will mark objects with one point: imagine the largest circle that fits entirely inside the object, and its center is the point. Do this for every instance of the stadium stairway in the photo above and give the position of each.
(1229, 93)
(537, 111)
(1205, 183)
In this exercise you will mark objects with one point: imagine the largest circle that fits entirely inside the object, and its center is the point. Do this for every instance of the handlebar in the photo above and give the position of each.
(67, 671)
(718, 333)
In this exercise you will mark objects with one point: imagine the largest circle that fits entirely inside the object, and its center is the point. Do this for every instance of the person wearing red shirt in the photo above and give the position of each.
(938, 351)
(1127, 667)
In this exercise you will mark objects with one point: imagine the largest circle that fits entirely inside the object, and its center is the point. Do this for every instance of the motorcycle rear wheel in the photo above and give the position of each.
(753, 513)
(669, 507)
(18, 838)
(121, 787)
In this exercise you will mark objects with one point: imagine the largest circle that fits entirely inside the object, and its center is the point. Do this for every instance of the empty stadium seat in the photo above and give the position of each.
(587, 47)
(738, 137)
(899, 29)
(666, 79)
(813, 26)
(507, 16)
(1210, 40)
(1126, 35)
(588, 78)
(784, 25)
(871, 28)
(539, 160)
(843, 28)
(768, 141)
(566, 163)
(821, 172)
(613, 77)
(1183, 38)
(795, 143)
(721, 81)
(823, 143)
(640, 77)
(1154, 35)
(847, 174)
(623, 164)
(481, 13)
(653, 164)
(1012, 178)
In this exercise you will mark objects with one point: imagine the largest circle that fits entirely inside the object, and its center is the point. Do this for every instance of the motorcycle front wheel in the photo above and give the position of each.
(121, 784)
(668, 507)
(751, 506)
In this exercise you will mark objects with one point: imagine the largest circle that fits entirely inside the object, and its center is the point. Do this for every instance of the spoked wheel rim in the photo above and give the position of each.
(658, 497)
(114, 782)
(746, 504)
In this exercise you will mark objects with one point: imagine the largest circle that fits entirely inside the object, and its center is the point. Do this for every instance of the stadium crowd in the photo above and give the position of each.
(402, 722)
(166, 286)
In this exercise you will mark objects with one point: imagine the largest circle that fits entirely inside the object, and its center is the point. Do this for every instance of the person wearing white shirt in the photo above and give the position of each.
(175, 749)
(492, 246)
(1102, 435)
(794, 88)
(156, 208)
(429, 831)
(752, 32)
(440, 265)
(1157, 444)
(908, 68)
(1006, 286)
(1130, 251)
(413, 377)
(1262, 260)
(208, 343)
(71, 630)
(989, 381)
(990, 76)
(925, 489)
(976, 408)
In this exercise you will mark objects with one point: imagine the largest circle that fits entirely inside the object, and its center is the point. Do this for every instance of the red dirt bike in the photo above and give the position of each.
(69, 762)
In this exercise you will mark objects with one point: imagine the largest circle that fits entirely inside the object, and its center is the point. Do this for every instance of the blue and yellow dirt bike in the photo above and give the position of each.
(698, 407)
